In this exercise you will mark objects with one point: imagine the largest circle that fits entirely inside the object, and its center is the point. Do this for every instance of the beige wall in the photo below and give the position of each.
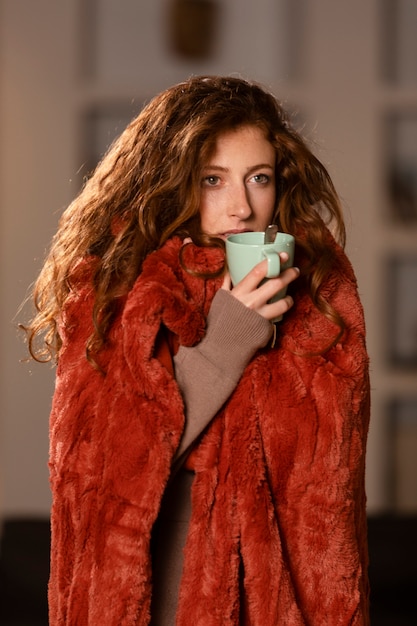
(43, 92)
(37, 161)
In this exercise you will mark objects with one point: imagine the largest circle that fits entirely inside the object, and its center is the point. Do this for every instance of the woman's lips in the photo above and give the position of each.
(235, 232)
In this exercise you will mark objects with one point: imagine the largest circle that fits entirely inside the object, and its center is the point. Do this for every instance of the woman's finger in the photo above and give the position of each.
(257, 296)
(227, 282)
(252, 281)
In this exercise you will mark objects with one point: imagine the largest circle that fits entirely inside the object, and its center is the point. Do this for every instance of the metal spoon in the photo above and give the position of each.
(270, 233)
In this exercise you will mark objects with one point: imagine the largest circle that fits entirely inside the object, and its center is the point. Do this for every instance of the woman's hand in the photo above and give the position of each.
(256, 296)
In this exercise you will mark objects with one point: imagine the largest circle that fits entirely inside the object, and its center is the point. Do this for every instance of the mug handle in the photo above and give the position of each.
(274, 263)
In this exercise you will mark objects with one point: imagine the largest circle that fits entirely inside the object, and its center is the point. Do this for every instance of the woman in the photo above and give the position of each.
(207, 465)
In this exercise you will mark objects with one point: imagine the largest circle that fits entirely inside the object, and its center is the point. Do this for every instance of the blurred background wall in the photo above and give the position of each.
(73, 72)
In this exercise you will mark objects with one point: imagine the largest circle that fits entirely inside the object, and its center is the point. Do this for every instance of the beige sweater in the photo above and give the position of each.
(208, 372)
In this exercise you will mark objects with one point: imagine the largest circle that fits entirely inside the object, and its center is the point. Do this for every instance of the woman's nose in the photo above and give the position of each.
(240, 203)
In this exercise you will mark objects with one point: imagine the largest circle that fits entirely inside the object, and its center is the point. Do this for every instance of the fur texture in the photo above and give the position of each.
(278, 528)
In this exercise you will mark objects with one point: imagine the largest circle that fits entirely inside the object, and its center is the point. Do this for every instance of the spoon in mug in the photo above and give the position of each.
(270, 233)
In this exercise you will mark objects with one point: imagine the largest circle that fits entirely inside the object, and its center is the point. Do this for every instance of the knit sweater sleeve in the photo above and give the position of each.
(208, 372)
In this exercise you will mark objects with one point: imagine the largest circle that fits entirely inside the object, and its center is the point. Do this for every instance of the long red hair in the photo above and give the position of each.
(147, 188)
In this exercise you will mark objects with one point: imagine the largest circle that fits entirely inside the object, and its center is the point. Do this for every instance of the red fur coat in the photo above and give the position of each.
(278, 528)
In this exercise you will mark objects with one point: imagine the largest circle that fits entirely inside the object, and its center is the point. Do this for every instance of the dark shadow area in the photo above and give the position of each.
(24, 570)
(393, 570)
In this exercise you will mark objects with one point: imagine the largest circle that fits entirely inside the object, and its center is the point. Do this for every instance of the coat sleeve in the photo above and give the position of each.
(112, 439)
(325, 513)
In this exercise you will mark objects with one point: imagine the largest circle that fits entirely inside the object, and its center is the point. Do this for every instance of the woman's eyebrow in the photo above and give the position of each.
(218, 168)
(251, 168)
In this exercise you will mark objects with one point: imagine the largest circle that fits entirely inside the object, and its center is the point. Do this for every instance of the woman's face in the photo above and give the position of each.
(238, 186)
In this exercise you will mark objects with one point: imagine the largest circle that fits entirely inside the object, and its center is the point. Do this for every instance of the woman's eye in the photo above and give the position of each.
(211, 180)
(261, 178)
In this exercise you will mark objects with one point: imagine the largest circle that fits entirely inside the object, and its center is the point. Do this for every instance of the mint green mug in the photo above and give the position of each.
(245, 250)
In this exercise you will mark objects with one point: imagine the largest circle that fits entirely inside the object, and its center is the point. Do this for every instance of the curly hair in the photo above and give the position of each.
(147, 188)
